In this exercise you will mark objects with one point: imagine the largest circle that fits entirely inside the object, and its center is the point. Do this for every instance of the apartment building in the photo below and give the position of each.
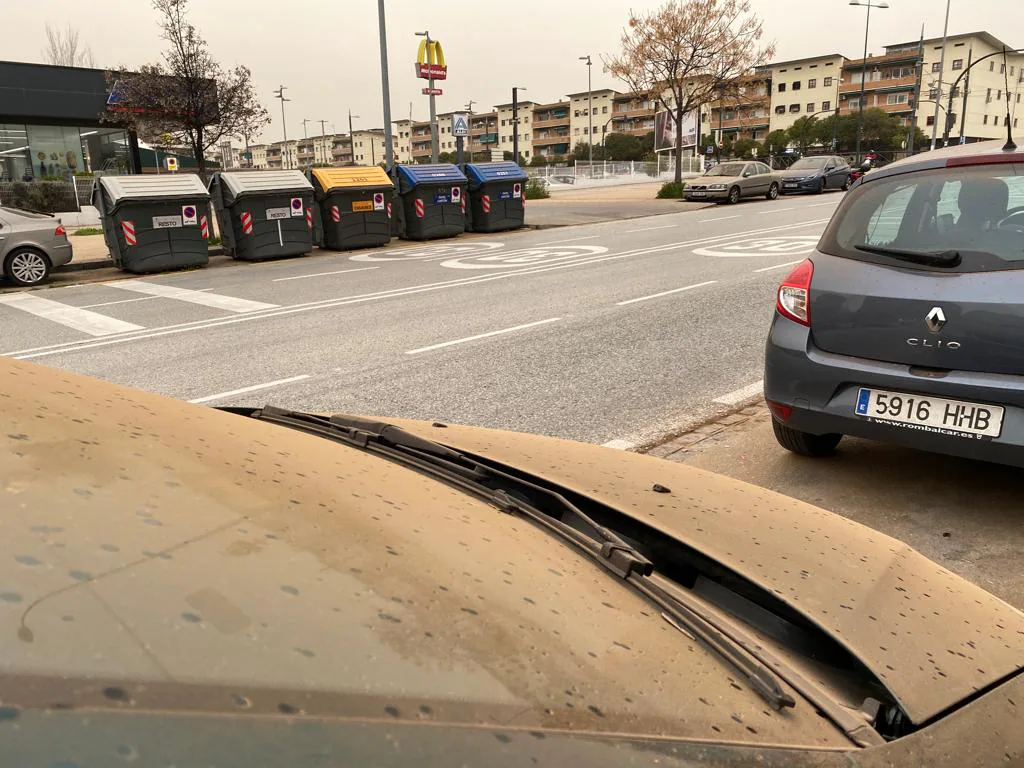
(283, 154)
(600, 104)
(742, 112)
(507, 128)
(419, 141)
(804, 88)
(341, 149)
(402, 141)
(483, 134)
(889, 82)
(633, 114)
(551, 129)
(229, 157)
(368, 146)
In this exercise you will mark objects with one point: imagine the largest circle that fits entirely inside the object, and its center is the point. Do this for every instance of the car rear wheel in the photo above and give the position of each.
(26, 267)
(804, 443)
(734, 195)
(773, 191)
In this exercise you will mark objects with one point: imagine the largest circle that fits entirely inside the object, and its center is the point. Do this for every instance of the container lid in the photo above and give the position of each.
(163, 186)
(265, 182)
(482, 172)
(430, 174)
(351, 177)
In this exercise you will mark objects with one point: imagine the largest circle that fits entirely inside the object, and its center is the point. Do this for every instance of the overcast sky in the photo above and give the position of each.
(326, 51)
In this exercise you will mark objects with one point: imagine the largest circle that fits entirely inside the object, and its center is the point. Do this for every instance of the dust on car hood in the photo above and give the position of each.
(932, 637)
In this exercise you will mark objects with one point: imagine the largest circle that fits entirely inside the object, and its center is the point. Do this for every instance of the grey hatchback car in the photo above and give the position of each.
(906, 325)
(31, 245)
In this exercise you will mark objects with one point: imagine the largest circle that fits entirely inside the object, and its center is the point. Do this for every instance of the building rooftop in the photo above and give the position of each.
(986, 36)
(595, 92)
(809, 59)
(523, 103)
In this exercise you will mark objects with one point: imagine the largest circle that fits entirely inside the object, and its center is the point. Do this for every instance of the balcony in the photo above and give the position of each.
(555, 122)
(550, 139)
(892, 109)
(631, 111)
(889, 84)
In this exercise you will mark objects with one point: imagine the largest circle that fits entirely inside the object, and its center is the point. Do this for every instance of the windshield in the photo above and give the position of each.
(809, 164)
(727, 169)
(976, 212)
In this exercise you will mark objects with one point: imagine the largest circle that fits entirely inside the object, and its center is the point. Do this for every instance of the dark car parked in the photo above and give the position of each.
(905, 324)
(816, 174)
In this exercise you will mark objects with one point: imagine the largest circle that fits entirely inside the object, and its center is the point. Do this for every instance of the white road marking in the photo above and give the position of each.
(572, 240)
(720, 218)
(664, 293)
(92, 323)
(775, 210)
(322, 274)
(830, 202)
(778, 266)
(483, 336)
(201, 325)
(619, 445)
(738, 396)
(214, 300)
(253, 388)
(651, 229)
(129, 301)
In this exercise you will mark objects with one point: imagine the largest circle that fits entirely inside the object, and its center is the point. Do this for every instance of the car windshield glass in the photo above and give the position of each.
(728, 169)
(977, 212)
(808, 164)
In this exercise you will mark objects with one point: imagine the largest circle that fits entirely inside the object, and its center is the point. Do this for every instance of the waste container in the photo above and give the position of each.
(154, 223)
(497, 194)
(354, 206)
(433, 201)
(263, 214)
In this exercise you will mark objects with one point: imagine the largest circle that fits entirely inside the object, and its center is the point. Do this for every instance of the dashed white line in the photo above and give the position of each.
(322, 274)
(573, 240)
(664, 293)
(213, 300)
(253, 388)
(720, 218)
(775, 210)
(482, 336)
(651, 229)
(819, 205)
(777, 266)
(619, 445)
(738, 396)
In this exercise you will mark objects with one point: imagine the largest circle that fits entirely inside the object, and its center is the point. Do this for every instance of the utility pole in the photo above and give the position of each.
(917, 93)
(433, 105)
(963, 108)
(469, 109)
(389, 153)
(323, 140)
(351, 137)
(864, 68)
(515, 123)
(590, 111)
(279, 94)
(942, 69)
(305, 132)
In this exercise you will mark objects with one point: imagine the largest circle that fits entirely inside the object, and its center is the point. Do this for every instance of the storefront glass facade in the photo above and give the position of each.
(55, 152)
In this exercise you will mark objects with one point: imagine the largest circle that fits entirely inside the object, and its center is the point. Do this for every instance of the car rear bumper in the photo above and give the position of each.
(822, 388)
(60, 255)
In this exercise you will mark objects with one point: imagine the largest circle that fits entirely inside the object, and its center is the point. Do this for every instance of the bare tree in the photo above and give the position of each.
(688, 53)
(188, 95)
(64, 48)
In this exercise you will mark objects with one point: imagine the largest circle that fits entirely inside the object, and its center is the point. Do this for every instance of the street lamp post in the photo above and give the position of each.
(469, 143)
(279, 94)
(389, 154)
(942, 68)
(590, 110)
(323, 139)
(864, 68)
(433, 107)
(351, 138)
(515, 123)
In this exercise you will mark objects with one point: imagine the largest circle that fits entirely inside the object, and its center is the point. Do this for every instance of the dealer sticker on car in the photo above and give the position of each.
(931, 414)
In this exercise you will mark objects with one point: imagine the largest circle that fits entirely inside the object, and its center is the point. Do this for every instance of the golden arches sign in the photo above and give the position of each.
(430, 61)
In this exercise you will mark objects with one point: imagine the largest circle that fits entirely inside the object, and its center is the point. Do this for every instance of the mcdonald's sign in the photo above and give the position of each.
(430, 61)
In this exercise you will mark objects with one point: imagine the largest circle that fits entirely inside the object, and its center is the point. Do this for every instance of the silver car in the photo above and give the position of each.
(31, 245)
(906, 324)
(729, 182)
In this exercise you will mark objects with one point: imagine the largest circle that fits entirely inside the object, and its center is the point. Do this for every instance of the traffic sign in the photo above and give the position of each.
(460, 126)
(171, 163)
(378, 201)
(189, 215)
(431, 91)
(296, 206)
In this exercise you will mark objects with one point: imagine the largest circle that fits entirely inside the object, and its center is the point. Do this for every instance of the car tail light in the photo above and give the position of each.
(794, 294)
(60, 231)
(780, 411)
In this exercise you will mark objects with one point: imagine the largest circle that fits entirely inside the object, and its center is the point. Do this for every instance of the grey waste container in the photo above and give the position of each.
(154, 223)
(354, 206)
(263, 214)
(497, 196)
(433, 201)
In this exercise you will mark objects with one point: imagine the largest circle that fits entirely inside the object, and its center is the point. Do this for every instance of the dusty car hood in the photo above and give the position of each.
(932, 637)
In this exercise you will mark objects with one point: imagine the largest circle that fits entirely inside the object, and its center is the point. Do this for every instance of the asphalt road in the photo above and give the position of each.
(619, 331)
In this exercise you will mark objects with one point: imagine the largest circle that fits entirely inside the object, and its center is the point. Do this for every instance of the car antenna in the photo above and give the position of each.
(1009, 146)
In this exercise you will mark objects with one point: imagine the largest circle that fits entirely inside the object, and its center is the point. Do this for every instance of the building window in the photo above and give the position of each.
(796, 85)
(936, 66)
(576, 132)
(794, 107)
(984, 119)
(780, 110)
(958, 63)
(991, 66)
(988, 95)
(782, 87)
(812, 83)
(930, 120)
(585, 131)
(810, 106)
(604, 110)
(503, 123)
(827, 82)
(1002, 69)
(896, 98)
(826, 106)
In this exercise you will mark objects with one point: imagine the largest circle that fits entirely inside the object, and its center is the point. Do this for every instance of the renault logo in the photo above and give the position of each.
(935, 319)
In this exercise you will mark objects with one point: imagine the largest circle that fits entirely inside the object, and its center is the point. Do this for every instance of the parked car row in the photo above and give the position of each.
(31, 245)
(732, 181)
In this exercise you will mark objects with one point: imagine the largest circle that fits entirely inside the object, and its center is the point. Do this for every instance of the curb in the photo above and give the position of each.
(84, 266)
(669, 445)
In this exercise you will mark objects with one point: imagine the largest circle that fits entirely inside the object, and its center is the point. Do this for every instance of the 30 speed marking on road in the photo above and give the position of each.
(427, 252)
(762, 246)
(525, 257)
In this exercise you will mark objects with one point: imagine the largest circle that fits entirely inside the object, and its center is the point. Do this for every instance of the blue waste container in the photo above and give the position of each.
(497, 196)
(432, 201)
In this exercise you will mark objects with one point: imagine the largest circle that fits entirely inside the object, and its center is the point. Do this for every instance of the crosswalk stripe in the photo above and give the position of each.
(92, 323)
(214, 300)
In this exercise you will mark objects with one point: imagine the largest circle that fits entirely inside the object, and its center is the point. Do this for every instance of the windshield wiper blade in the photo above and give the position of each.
(544, 506)
(928, 258)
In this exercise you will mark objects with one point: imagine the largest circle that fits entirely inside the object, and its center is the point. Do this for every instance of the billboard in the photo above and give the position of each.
(665, 130)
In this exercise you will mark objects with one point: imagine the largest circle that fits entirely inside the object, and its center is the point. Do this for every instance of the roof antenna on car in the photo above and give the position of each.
(1009, 146)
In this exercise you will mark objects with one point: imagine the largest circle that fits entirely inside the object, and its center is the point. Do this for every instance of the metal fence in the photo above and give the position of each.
(613, 171)
(47, 196)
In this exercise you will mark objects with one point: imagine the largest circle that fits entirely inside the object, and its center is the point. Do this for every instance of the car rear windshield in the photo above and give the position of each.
(808, 164)
(965, 219)
(729, 169)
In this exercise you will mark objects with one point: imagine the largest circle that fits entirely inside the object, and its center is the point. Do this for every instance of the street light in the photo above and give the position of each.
(389, 155)
(279, 94)
(433, 110)
(351, 137)
(590, 109)
(864, 68)
(942, 67)
(515, 123)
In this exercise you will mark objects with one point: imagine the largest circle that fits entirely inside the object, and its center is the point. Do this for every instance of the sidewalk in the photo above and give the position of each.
(566, 207)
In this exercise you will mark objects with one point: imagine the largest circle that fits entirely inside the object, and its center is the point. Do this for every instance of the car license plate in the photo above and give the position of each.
(698, 193)
(166, 222)
(931, 414)
(361, 206)
(789, 185)
(273, 214)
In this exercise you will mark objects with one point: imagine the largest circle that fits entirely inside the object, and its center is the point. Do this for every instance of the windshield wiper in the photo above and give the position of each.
(546, 507)
(928, 258)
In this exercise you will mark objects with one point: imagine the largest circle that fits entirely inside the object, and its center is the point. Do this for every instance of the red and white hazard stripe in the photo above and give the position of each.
(247, 222)
(128, 227)
(309, 218)
(204, 227)
(419, 208)
(462, 204)
(335, 213)
(389, 209)
(485, 202)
